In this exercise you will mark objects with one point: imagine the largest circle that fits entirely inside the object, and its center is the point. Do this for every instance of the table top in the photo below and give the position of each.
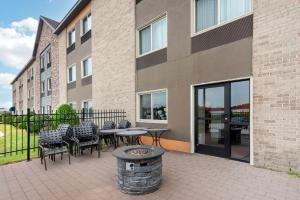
(136, 128)
(131, 133)
(156, 129)
(112, 130)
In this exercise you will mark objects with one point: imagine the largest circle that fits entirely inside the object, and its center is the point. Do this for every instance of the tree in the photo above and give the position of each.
(64, 114)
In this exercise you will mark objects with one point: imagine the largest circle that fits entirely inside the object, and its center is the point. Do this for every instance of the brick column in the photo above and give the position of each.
(276, 82)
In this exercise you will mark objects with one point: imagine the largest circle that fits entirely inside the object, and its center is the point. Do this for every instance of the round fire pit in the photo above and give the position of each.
(139, 168)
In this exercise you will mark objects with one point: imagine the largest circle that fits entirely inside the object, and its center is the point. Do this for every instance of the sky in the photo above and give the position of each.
(18, 25)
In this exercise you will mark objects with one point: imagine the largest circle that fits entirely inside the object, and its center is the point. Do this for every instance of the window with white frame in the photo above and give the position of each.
(48, 56)
(71, 36)
(86, 67)
(72, 73)
(42, 62)
(49, 84)
(43, 110)
(153, 36)
(43, 87)
(29, 94)
(86, 23)
(45, 58)
(209, 13)
(153, 106)
(49, 109)
(88, 108)
(32, 92)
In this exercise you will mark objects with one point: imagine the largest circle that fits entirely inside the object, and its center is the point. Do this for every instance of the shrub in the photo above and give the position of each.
(64, 114)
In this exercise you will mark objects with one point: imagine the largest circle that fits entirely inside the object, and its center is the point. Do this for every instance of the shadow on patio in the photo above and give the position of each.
(185, 176)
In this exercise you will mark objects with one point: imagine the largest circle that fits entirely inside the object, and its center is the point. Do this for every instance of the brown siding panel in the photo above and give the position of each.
(71, 85)
(154, 58)
(228, 33)
(86, 81)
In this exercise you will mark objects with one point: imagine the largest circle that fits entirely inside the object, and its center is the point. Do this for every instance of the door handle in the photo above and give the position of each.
(226, 118)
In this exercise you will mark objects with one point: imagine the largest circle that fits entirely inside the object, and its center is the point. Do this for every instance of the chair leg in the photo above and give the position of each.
(61, 156)
(91, 150)
(69, 159)
(99, 147)
(45, 163)
(41, 156)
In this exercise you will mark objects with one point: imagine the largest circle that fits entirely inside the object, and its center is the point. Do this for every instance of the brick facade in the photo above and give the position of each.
(47, 37)
(113, 52)
(276, 84)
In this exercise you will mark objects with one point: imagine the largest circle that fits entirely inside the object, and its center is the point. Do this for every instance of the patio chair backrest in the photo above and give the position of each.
(91, 124)
(50, 138)
(108, 125)
(83, 132)
(124, 124)
(65, 130)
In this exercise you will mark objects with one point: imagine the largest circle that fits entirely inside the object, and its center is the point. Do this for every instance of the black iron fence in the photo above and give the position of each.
(19, 133)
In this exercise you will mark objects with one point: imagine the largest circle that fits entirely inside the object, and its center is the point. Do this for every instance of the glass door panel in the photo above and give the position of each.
(240, 120)
(222, 120)
(214, 116)
(210, 115)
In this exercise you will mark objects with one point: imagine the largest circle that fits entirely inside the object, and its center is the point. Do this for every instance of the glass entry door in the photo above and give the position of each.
(222, 120)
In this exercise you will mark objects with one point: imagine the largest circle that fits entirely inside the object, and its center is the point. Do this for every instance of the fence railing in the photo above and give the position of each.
(19, 133)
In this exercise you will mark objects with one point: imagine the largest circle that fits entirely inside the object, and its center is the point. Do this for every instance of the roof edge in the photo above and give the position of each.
(73, 12)
(31, 60)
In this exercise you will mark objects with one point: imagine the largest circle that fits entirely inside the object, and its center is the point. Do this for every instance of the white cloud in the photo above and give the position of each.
(6, 104)
(6, 79)
(16, 42)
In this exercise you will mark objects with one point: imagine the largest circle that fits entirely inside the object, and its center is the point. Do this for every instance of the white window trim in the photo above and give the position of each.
(68, 77)
(152, 121)
(148, 23)
(81, 24)
(43, 87)
(68, 36)
(193, 19)
(48, 88)
(87, 100)
(87, 57)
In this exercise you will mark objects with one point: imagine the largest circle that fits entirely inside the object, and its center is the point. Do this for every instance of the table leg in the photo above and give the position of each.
(156, 138)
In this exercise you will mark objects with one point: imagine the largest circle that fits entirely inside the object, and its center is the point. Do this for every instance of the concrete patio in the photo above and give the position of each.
(185, 176)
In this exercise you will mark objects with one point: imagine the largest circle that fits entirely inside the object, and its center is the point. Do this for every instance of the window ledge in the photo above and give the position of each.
(153, 121)
(150, 52)
(219, 25)
(83, 77)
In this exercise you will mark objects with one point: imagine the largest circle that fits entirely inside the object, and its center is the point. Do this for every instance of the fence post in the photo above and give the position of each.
(83, 114)
(28, 134)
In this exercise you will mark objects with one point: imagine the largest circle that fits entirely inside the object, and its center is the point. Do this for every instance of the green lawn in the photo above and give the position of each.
(294, 174)
(15, 140)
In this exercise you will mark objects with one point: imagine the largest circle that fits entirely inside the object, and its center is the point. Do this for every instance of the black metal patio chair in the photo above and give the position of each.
(123, 124)
(108, 138)
(51, 144)
(83, 138)
(66, 132)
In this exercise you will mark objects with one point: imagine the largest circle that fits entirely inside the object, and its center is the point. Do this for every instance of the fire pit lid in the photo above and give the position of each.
(131, 152)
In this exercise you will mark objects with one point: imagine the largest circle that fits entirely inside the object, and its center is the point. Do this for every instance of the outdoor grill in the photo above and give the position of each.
(139, 168)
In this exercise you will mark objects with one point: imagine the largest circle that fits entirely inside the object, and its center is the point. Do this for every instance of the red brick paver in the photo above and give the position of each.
(185, 177)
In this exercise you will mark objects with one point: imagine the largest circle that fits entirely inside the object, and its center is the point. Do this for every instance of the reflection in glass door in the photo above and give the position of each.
(210, 116)
(240, 120)
(222, 119)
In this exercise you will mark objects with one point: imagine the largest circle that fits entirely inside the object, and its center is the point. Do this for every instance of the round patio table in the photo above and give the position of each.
(158, 132)
(111, 133)
(133, 136)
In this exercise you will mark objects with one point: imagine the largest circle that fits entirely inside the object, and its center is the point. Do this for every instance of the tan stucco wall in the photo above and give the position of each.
(113, 51)
(276, 81)
(62, 46)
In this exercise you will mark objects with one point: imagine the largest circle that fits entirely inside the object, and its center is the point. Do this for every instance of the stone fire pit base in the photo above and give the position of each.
(139, 168)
